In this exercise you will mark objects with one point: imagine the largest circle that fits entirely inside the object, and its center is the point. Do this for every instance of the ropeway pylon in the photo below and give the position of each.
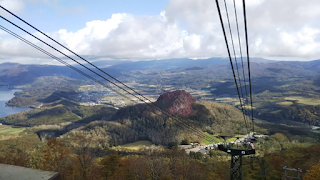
(236, 158)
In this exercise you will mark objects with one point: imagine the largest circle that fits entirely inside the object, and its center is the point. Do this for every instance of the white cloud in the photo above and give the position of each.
(285, 28)
(188, 28)
(82, 40)
(14, 6)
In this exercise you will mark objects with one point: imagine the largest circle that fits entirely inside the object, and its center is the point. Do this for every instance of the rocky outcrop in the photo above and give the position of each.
(177, 102)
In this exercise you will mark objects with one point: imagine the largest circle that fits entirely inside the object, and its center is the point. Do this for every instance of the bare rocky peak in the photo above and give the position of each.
(177, 102)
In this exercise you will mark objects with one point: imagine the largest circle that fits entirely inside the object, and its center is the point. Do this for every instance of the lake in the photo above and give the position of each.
(5, 95)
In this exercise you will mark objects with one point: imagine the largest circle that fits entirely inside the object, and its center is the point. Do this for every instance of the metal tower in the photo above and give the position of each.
(236, 160)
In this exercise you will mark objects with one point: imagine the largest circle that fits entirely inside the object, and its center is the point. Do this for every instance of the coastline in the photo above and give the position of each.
(5, 96)
(15, 90)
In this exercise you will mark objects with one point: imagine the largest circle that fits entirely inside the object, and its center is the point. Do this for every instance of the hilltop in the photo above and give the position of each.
(177, 102)
(143, 122)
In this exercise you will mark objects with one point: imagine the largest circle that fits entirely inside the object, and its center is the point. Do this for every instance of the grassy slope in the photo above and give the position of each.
(209, 138)
(304, 100)
(3, 127)
(136, 145)
(285, 103)
(7, 132)
(12, 130)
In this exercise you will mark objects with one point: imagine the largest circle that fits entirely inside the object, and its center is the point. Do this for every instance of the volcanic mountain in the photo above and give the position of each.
(147, 122)
(177, 102)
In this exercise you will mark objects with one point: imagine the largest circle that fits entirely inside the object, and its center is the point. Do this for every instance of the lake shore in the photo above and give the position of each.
(5, 95)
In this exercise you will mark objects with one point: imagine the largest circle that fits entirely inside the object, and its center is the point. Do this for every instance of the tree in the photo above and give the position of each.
(111, 165)
(85, 149)
(138, 167)
(55, 155)
(158, 168)
(313, 172)
(281, 139)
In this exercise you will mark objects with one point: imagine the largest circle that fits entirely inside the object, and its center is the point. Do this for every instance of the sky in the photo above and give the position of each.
(161, 29)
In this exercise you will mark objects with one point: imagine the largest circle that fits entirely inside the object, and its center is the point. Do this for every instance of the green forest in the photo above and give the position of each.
(81, 158)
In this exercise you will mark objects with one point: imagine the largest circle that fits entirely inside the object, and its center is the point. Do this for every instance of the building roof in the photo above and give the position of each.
(10, 172)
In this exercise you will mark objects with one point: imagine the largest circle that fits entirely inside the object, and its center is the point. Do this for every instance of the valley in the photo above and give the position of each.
(80, 117)
(277, 91)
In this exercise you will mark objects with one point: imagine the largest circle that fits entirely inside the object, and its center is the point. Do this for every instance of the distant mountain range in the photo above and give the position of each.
(167, 63)
(19, 74)
(15, 74)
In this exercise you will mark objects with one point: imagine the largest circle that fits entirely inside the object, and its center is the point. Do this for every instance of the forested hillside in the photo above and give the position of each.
(300, 113)
(58, 111)
(137, 122)
(142, 122)
(45, 90)
(81, 159)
